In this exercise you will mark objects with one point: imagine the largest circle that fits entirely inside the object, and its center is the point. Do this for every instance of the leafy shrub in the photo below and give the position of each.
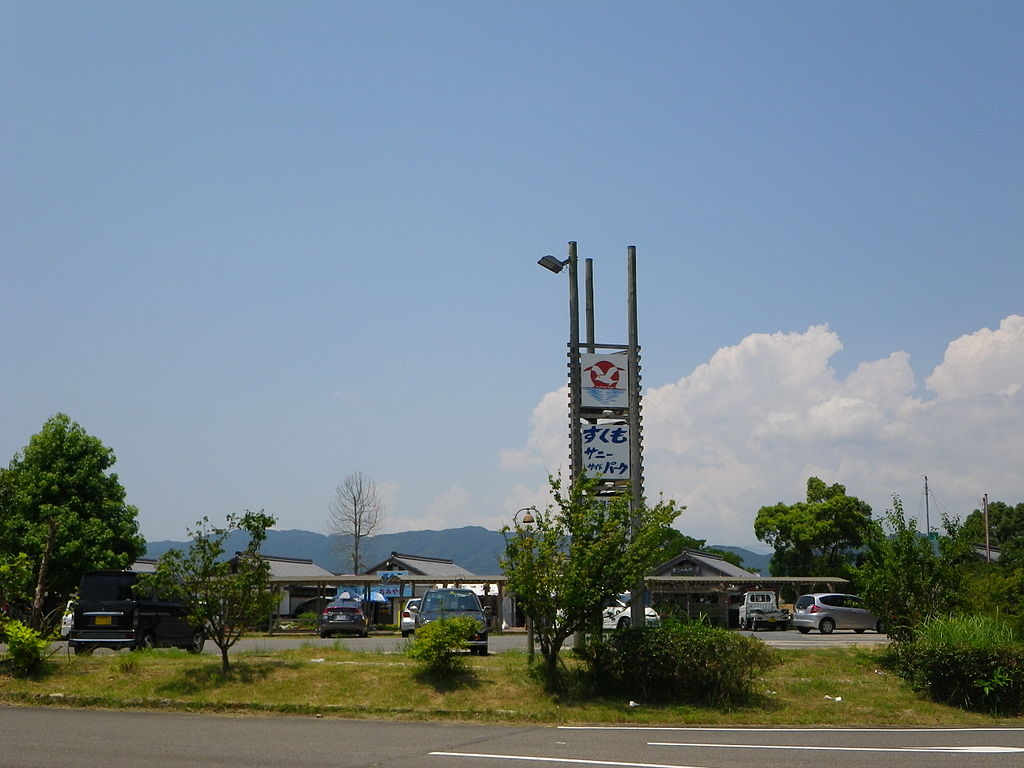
(685, 662)
(437, 643)
(26, 647)
(971, 662)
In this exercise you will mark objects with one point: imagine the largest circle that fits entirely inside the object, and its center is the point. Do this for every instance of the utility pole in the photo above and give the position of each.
(927, 518)
(988, 548)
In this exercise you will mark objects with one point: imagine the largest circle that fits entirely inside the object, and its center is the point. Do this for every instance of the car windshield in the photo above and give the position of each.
(450, 601)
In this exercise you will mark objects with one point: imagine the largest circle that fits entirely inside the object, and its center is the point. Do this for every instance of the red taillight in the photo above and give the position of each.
(406, 615)
(815, 609)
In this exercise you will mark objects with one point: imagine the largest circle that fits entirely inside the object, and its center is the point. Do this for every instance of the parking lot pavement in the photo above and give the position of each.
(507, 641)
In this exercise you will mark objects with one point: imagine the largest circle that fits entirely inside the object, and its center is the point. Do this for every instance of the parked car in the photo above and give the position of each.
(344, 617)
(448, 603)
(314, 605)
(67, 621)
(617, 614)
(111, 614)
(408, 621)
(827, 611)
(760, 608)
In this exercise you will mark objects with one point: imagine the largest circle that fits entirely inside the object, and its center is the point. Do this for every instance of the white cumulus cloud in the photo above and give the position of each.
(984, 362)
(748, 427)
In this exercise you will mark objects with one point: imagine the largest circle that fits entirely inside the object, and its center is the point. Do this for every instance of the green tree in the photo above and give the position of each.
(62, 508)
(817, 537)
(15, 581)
(225, 596)
(905, 577)
(580, 553)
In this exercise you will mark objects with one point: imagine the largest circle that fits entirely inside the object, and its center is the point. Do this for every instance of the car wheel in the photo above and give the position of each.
(859, 631)
(483, 651)
(826, 626)
(623, 623)
(364, 633)
(405, 633)
(325, 634)
(880, 628)
(803, 630)
(147, 642)
(198, 641)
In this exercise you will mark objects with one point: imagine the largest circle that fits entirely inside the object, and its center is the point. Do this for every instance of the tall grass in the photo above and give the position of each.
(979, 632)
(974, 662)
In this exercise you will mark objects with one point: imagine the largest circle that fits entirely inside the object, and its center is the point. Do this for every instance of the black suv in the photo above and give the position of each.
(110, 614)
(448, 603)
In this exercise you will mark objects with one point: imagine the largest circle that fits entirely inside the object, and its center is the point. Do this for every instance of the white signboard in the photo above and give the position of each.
(605, 381)
(606, 451)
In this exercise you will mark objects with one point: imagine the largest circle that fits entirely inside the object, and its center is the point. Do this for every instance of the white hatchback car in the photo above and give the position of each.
(617, 615)
(408, 621)
(826, 611)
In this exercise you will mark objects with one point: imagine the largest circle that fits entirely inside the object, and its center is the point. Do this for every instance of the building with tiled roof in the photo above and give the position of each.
(417, 565)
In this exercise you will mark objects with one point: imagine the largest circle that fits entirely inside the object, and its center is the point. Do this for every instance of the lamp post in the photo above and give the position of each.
(575, 367)
(523, 531)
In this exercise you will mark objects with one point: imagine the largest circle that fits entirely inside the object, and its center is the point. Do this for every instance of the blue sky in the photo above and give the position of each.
(256, 247)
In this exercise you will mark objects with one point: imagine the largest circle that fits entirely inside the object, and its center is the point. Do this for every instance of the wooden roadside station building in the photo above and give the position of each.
(700, 584)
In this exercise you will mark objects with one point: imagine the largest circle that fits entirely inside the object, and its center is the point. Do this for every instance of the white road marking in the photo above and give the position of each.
(956, 750)
(621, 764)
(569, 760)
(704, 729)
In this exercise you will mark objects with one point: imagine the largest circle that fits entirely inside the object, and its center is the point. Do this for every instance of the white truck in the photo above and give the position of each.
(760, 608)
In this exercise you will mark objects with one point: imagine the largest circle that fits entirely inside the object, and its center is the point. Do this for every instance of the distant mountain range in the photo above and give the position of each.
(474, 548)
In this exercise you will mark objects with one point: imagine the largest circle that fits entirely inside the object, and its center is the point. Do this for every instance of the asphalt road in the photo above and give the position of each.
(43, 738)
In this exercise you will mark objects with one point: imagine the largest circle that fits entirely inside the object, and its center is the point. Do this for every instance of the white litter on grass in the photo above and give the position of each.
(317, 661)
(834, 698)
(634, 703)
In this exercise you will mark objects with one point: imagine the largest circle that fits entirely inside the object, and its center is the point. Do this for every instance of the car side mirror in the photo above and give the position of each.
(487, 610)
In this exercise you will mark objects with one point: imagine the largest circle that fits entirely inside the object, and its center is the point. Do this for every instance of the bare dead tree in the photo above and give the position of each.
(356, 512)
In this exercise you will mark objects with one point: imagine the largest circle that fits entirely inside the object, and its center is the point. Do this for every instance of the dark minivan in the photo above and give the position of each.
(110, 614)
(447, 603)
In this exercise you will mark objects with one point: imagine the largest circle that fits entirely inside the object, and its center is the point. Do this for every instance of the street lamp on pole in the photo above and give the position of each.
(575, 366)
(523, 527)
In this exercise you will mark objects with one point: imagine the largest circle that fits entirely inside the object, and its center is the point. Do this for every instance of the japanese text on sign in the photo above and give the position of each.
(606, 451)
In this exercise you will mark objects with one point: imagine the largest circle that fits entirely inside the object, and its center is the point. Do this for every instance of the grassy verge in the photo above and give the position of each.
(821, 687)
